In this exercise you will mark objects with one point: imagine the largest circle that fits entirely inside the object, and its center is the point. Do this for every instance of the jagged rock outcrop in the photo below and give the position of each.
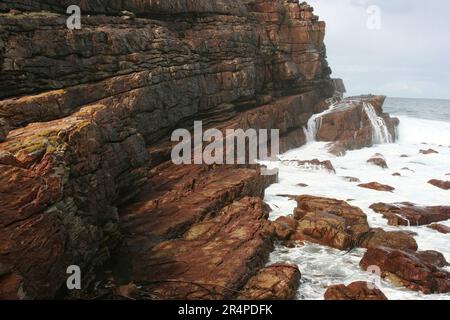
(84, 165)
(404, 214)
(352, 124)
(417, 271)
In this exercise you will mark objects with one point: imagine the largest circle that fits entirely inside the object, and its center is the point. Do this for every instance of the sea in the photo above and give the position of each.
(424, 124)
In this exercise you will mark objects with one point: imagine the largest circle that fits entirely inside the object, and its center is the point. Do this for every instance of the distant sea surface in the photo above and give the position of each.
(430, 109)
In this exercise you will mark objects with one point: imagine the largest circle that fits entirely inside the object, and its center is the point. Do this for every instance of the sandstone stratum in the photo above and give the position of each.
(86, 176)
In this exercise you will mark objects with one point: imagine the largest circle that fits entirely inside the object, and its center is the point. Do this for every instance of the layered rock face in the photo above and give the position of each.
(86, 117)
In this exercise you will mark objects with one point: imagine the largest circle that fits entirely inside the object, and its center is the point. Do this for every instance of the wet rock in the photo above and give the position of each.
(276, 282)
(440, 184)
(396, 174)
(408, 269)
(379, 161)
(429, 151)
(314, 164)
(391, 239)
(404, 156)
(355, 291)
(348, 127)
(434, 258)
(377, 186)
(303, 185)
(404, 214)
(440, 228)
(284, 227)
(329, 222)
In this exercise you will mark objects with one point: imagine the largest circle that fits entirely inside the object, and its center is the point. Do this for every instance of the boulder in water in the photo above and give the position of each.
(378, 160)
(355, 291)
(440, 184)
(419, 271)
(377, 186)
(429, 151)
(440, 228)
(329, 222)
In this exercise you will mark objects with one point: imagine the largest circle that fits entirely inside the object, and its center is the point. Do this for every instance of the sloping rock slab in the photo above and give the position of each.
(213, 259)
(276, 282)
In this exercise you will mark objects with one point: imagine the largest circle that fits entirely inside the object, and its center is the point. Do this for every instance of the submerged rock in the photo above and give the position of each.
(377, 186)
(355, 291)
(404, 214)
(379, 161)
(314, 164)
(429, 151)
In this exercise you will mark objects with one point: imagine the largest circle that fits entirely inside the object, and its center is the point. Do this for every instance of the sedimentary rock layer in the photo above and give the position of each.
(86, 116)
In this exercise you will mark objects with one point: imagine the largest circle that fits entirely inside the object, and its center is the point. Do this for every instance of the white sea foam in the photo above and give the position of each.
(322, 266)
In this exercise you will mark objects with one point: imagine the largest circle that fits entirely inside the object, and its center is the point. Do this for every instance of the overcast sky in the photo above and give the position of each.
(407, 56)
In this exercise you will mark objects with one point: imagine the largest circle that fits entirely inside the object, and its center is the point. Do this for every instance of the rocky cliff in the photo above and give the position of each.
(86, 116)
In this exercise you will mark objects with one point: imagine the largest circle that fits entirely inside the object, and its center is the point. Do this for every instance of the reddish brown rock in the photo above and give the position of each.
(284, 227)
(377, 186)
(378, 161)
(90, 113)
(404, 214)
(234, 243)
(433, 257)
(440, 184)
(391, 239)
(355, 291)
(408, 269)
(11, 284)
(348, 127)
(429, 151)
(329, 222)
(276, 282)
(440, 228)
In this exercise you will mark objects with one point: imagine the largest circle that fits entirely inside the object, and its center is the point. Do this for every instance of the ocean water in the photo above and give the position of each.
(423, 124)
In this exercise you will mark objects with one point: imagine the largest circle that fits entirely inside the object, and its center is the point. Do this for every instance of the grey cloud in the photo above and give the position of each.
(409, 56)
